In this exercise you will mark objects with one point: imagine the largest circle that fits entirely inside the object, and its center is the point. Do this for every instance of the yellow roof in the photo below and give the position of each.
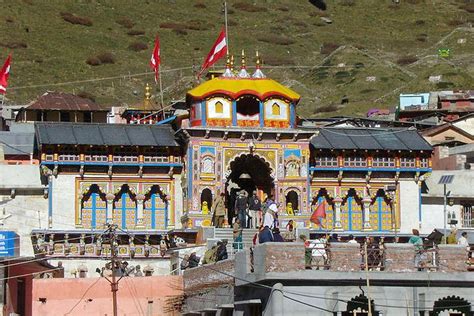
(236, 87)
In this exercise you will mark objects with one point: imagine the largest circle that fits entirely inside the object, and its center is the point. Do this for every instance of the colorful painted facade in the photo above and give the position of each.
(244, 134)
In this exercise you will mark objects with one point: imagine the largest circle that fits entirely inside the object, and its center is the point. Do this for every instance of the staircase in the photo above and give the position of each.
(226, 233)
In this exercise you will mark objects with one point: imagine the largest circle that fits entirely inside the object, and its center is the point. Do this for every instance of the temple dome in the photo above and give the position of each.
(237, 87)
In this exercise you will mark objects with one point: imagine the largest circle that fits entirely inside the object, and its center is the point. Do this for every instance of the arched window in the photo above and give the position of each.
(292, 202)
(276, 109)
(125, 208)
(207, 165)
(93, 208)
(156, 207)
(219, 107)
(292, 169)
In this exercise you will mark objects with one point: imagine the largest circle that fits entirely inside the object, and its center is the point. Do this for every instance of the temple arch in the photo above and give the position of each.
(93, 207)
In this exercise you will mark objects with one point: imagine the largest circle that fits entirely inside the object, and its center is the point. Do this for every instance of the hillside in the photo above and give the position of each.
(372, 50)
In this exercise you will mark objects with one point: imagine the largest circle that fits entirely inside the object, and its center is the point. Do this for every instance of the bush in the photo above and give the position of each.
(247, 7)
(359, 65)
(180, 32)
(455, 23)
(444, 85)
(275, 39)
(300, 23)
(106, 58)
(9, 19)
(14, 45)
(125, 22)
(422, 37)
(342, 74)
(365, 91)
(74, 19)
(406, 60)
(196, 25)
(278, 60)
(420, 22)
(282, 8)
(93, 61)
(469, 7)
(138, 46)
(328, 48)
(135, 32)
(200, 5)
(348, 3)
(232, 22)
(86, 95)
(327, 108)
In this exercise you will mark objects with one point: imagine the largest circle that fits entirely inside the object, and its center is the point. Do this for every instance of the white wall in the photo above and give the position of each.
(409, 199)
(433, 213)
(64, 201)
(27, 212)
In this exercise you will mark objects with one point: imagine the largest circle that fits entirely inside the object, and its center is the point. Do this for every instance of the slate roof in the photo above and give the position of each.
(370, 139)
(17, 143)
(65, 102)
(104, 134)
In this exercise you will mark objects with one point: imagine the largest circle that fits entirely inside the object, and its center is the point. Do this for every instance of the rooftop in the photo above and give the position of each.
(64, 101)
(370, 139)
(104, 134)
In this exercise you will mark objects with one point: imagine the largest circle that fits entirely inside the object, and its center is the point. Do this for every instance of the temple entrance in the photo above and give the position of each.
(248, 172)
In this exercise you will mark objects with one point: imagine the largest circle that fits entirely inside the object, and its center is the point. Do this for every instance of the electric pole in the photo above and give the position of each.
(112, 230)
(369, 306)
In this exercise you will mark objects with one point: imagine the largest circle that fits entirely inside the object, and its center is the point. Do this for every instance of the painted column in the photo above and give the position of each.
(203, 113)
(50, 201)
(292, 116)
(337, 210)
(366, 202)
(234, 113)
(139, 215)
(110, 207)
(261, 115)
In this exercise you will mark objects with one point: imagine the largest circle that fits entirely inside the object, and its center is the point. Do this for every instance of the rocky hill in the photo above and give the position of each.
(367, 50)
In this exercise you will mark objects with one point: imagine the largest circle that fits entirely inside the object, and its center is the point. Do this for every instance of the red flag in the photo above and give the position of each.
(155, 60)
(4, 73)
(218, 50)
(318, 213)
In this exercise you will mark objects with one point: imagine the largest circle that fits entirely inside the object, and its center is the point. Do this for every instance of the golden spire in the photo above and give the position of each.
(228, 72)
(146, 101)
(257, 63)
(232, 62)
(243, 59)
(227, 64)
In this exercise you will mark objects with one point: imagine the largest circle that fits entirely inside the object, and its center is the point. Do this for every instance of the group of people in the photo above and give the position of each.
(217, 253)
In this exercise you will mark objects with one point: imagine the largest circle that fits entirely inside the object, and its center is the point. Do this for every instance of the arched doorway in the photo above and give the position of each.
(455, 305)
(360, 305)
(248, 172)
(292, 198)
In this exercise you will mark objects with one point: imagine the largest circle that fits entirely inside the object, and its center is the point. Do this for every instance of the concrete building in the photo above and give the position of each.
(276, 282)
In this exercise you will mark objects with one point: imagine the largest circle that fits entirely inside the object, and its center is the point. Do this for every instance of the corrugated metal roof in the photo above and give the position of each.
(370, 139)
(17, 143)
(104, 134)
(64, 101)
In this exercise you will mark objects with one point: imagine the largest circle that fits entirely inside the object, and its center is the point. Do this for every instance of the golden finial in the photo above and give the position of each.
(243, 59)
(257, 63)
(227, 65)
(232, 62)
(146, 102)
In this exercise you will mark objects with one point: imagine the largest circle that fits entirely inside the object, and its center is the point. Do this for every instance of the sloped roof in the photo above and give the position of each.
(17, 143)
(236, 87)
(446, 126)
(104, 134)
(65, 102)
(370, 139)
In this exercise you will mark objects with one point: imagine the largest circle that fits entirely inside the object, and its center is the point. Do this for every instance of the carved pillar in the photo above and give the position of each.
(110, 207)
(337, 213)
(140, 198)
(366, 202)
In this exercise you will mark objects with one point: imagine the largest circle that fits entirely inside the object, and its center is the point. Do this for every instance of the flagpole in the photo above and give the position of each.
(226, 30)
(161, 91)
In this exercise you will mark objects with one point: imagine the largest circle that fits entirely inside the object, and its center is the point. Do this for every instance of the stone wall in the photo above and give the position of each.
(345, 257)
(278, 257)
(209, 276)
(452, 258)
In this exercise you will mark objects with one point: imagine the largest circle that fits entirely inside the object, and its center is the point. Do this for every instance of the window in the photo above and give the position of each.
(248, 106)
(276, 109)
(219, 107)
(407, 162)
(64, 117)
(424, 163)
(381, 162)
(326, 162)
(355, 162)
(467, 215)
(88, 117)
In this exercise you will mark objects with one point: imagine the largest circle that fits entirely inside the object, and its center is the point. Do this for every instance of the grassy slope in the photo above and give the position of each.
(375, 34)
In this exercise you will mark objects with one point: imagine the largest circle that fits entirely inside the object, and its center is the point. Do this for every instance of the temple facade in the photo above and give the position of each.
(243, 133)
